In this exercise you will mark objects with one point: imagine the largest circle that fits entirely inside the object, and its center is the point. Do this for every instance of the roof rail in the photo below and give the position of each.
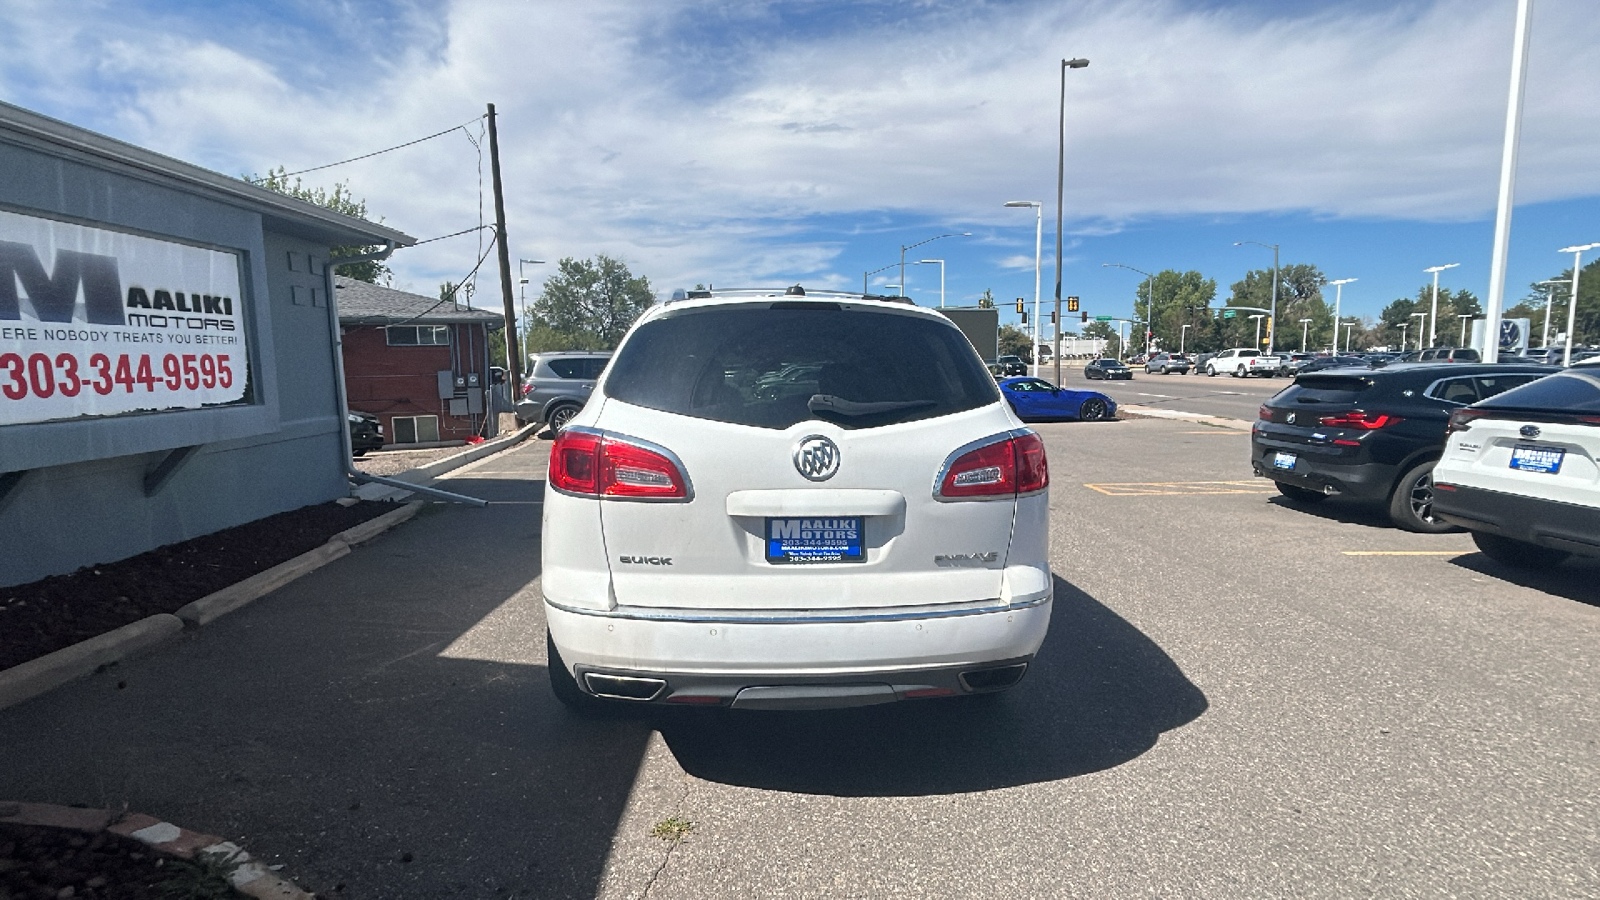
(790, 292)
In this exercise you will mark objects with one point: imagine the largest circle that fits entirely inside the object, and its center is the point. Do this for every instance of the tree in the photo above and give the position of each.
(1180, 299)
(1105, 331)
(1016, 342)
(340, 201)
(1451, 304)
(1299, 297)
(592, 302)
(1587, 326)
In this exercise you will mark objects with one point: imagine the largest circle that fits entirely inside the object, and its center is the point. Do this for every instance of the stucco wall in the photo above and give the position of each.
(82, 499)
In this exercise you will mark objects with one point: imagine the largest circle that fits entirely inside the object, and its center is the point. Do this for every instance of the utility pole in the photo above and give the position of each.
(513, 347)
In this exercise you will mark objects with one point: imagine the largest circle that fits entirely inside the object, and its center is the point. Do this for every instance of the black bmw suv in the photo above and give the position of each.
(1372, 435)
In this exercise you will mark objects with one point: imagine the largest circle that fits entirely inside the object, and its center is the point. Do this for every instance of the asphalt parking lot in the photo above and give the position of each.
(1238, 698)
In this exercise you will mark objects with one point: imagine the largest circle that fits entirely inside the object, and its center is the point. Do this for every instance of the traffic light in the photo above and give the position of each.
(1019, 304)
(1072, 304)
(1086, 315)
(1053, 315)
(1024, 318)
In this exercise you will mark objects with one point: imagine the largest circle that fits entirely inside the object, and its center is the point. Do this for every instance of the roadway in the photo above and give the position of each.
(1239, 698)
(1223, 395)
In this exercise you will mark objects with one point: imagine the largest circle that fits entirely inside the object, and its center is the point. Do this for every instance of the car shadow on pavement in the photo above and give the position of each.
(1574, 579)
(1338, 509)
(1099, 694)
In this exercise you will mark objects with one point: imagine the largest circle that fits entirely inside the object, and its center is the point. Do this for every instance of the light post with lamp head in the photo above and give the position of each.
(1149, 301)
(1038, 250)
(866, 275)
(905, 247)
(1403, 326)
(1271, 333)
(929, 262)
(1572, 297)
(1549, 298)
(522, 281)
(1183, 333)
(1338, 295)
(1424, 321)
(1464, 317)
(1305, 328)
(1061, 174)
(1433, 323)
(1347, 327)
(1258, 317)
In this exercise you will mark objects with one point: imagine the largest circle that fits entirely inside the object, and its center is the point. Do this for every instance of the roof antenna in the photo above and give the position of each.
(795, 291)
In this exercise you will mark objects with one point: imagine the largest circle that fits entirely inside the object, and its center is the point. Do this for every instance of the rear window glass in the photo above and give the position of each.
(1561, 392)
(1339, 389)
(773, 368)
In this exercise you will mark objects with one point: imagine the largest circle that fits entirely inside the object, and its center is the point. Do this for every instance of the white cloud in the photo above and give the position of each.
(754, 155)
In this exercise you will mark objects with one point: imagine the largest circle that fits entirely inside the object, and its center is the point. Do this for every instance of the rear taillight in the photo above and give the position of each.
(1461, 420)
(1360, 420)
(595, 465)
(1005, 468)
(1264, 414)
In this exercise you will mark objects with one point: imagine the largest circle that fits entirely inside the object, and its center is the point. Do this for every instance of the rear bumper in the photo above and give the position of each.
(1363, 481)
(841, 659)
(1547, 523)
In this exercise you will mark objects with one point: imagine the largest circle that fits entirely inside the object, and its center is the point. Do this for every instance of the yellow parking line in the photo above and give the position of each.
(1187, 488)
(1404, 552)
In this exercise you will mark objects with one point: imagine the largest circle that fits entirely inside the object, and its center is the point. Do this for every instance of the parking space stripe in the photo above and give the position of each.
(1186, 488)
(1405, 552)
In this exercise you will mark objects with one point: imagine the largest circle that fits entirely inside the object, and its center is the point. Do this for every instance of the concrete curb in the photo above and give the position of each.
(212, 606)
(36, 676)
(1197, 418)
(248, 876)
(424, 475)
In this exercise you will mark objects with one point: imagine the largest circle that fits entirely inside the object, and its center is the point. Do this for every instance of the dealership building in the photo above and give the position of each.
(167, 349)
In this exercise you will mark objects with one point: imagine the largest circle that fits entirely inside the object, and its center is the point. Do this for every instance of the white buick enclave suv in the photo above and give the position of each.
(783, 500)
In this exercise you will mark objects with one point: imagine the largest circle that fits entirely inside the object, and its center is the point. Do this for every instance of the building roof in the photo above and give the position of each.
(361, 303)
(280, 212)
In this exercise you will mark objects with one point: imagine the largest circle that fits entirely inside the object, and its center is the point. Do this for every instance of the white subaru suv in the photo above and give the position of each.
(792, 500)
(1521, 470)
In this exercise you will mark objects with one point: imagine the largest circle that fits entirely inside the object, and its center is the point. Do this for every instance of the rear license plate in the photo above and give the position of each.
(1283, 460)
(819, 539)
(1537, 459)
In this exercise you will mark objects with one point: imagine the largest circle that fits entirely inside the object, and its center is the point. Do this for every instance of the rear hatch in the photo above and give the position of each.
(1320, 416)
(797, 420)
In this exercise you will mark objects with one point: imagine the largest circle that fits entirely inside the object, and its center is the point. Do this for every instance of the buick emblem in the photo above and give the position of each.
(816, 457)
(1529, 431)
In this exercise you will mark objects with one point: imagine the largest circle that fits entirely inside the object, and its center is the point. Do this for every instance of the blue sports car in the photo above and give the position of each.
(1035, 399)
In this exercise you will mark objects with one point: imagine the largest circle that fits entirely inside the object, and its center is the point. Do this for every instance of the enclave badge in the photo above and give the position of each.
(816, 458)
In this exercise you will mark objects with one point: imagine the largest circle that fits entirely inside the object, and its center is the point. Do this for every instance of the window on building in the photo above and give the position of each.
(418, 335)
(415, 429)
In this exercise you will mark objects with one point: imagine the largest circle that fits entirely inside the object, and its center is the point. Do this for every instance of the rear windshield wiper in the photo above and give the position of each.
(830, 403)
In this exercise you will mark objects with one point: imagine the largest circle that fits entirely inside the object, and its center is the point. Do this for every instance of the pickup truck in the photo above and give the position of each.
(1242, 361)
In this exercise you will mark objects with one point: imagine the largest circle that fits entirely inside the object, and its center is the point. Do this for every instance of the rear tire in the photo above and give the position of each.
(1241, 373)
(1092, 410)
(1411, 504)
(1517, 554)
(565, 687)
(1300, 494)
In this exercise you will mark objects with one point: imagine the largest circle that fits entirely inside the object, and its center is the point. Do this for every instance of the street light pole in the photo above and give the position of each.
(1183, 334)
(1258, 317)
(1061, 174)
(1464, 318)
(1338, 294)
(1305, 328)
(1424, 321)
(1038, 249)
(1272, 332)
(1550, 298)
(905, 247)
(1433, 323)
(1403, 326)
(926, 262)
(1572, 298)
(866, 275)
(1149, 298)
(522, 279)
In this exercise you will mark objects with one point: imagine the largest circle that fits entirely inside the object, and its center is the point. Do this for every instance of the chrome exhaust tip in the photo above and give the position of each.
(624, 687)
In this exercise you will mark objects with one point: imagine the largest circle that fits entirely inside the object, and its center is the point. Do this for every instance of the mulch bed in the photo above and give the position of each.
(38, 862)
(61, 610)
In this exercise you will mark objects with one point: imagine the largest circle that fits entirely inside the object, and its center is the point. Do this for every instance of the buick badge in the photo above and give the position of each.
(816, 458)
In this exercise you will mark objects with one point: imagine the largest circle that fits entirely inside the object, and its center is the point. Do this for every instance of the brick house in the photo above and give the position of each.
(419, 364)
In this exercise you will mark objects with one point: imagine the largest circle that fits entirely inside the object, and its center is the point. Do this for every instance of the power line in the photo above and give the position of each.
(430, 137)
(452, 234)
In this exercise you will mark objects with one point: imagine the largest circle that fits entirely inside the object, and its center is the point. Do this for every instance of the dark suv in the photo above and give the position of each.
(1012, 365)
(1372, 435)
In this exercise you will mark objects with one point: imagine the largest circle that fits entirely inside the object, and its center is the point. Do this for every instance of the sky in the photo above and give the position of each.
(757, 144)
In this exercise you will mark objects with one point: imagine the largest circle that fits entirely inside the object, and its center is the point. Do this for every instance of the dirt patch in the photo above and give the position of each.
(58, 862)
(59, 611)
